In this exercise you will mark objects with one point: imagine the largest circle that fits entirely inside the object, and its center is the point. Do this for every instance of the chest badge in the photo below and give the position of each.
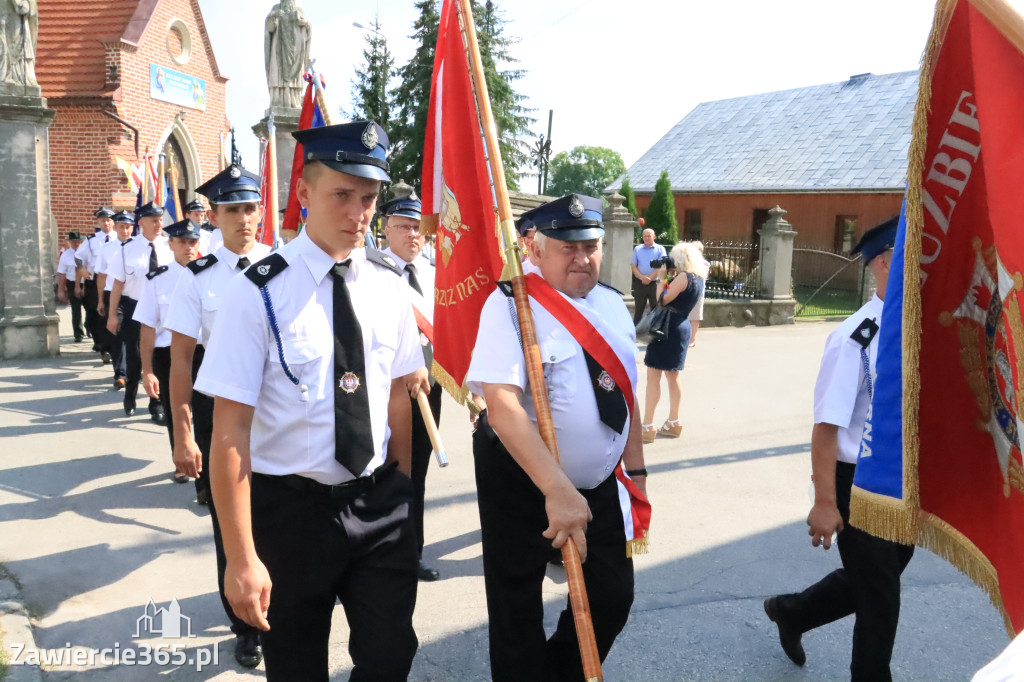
(349, 382)
(605, 381)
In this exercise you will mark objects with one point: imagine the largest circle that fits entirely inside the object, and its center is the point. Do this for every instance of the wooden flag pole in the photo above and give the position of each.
(531, 350)
(174, 188)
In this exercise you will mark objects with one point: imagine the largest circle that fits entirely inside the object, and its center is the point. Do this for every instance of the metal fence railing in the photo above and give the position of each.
(827, 283)
(735, 270)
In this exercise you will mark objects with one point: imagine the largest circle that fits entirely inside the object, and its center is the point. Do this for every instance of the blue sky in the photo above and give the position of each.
(616, 74)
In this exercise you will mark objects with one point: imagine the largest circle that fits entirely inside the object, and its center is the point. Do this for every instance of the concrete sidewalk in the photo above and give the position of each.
(93, 528)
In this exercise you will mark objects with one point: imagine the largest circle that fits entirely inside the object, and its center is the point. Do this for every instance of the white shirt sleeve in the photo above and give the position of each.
(147, 310)
(185, 314)
(236, 357)
(409, 354)
(835, 391)
(84, 253)
(115, 264)
(497, 355)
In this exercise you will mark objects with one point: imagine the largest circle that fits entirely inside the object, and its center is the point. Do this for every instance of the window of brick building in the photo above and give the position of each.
(846, 233)
(692, 224)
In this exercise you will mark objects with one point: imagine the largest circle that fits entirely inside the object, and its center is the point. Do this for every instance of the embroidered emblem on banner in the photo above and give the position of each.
(992, 354)
(605, 381)
(450, 227)
(349, 382)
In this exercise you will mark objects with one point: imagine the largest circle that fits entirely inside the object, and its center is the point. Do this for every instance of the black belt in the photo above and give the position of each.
(349, 490)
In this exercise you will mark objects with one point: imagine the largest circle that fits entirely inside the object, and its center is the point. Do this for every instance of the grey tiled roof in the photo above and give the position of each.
(848, 136)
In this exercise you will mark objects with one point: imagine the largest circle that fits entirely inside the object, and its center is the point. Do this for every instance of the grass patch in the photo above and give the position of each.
(827, 302)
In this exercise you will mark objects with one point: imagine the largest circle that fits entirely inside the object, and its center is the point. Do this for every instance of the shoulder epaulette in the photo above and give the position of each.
(159, 271)
(382, 259)
(126, 241)
(262, 271)
(865, 332)
(505, 288)
(201, 264)
(608, 286)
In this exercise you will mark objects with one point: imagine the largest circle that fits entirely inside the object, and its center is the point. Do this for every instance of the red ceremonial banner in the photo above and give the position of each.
(963, 337)
(268, 202)
(458, 206)
(293, 211)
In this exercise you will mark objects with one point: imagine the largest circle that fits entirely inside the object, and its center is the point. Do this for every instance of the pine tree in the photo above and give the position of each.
(370, 97)
(660, 215)
(511, 117)
(630, 199)
(412, 98)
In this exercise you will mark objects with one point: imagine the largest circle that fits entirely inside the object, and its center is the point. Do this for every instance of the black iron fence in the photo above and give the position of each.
(735, 270)
(827, 283)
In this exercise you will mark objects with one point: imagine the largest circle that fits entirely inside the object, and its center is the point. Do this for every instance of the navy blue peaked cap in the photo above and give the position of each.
(183, 229)
(233, 185)
(573, 218)
(124, 217)
(149, 209)
(104, 212)
(358, 148)
(407, 207)
(194, 205)
(877, 240)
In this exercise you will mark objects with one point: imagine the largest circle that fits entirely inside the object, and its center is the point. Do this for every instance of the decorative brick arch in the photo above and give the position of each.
(189, 153)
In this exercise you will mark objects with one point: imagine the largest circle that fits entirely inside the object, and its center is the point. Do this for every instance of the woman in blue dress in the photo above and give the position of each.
(667, 355)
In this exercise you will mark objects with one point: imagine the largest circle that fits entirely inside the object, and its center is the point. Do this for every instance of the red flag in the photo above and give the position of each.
(267, 199)
(310, 117)
(963, 336)
(458, 204)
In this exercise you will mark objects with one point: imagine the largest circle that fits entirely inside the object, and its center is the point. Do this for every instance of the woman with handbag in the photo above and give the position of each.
(666, 353)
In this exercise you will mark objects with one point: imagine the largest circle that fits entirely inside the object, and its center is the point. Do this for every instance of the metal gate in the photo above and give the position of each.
(827, 283)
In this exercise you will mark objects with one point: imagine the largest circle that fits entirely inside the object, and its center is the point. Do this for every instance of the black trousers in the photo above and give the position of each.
(644, 295)
(319, 549)
(115, 344)
(162, 370)
(515, 554)
(76, 312)
(90, 299)
(421, 454)
(867, 585)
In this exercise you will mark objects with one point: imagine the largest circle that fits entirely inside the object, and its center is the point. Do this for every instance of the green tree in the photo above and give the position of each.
(627, 192)
(412, 98)
(660, 215)
(511, 117)
(370, 97)
(586, 170)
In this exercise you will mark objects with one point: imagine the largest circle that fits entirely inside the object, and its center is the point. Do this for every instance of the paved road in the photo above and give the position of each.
(93, 528)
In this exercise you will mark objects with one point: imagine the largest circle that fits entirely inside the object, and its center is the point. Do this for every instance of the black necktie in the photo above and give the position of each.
(413, 281)
(353, 440)
(611, 402)
(243, 263)
(153, 263)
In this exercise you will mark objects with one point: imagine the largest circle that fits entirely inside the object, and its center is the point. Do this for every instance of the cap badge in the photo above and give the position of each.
(369, 136)
(263, 269)
(605, 381)
(235, 172)
(349, 382)
(576, 207)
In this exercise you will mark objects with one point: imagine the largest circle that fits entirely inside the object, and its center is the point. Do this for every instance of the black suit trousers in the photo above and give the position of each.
(421, 455)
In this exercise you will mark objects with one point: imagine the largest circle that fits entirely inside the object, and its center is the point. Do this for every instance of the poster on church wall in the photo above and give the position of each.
(175, 87)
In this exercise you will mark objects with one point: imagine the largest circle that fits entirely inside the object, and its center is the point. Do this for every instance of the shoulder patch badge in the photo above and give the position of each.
(383, 260)
(201, 264)
(127, 241)
(865, 332)
(609, 286)
(159, 271)
(262, 271)
(505, 288)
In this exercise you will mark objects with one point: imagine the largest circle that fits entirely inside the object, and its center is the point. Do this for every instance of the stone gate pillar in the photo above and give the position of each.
(776, 264)
(619, 226)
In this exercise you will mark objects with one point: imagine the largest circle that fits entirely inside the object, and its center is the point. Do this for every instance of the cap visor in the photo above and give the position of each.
(360, 170)
(238, 198)
(575, 234)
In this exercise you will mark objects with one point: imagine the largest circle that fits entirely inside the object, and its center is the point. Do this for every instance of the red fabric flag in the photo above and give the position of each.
(963, 338)
(267, 198)
(459, 206)
(293, 212)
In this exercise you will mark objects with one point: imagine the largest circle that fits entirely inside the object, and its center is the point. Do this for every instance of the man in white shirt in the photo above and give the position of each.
(312, 361)
(124, 224)
(140, 255)
(868, 585)
(89, 254)
(68, 290)
(234, 196)
(405, 245)
(529, 503)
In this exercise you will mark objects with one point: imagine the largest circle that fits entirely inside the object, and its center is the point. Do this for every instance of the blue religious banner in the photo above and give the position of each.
(175, 87)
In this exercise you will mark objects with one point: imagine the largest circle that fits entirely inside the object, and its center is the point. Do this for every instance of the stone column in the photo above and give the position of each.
(619, 226)
(776, 266)
(28, 319)
(286, 121)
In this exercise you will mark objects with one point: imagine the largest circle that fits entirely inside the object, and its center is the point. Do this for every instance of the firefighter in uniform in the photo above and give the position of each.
(124, 224)
(89, 254)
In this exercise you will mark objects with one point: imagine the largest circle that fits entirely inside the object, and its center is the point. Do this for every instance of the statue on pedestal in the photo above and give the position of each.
(19, 26)
(286, 52)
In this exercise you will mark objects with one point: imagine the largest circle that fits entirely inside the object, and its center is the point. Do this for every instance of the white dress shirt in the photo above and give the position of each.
(66, 265)
(132, 267)
(89, 251)
(210, 241)
(425, 276)
(110, 252)
(293, 425)
(156, 300)
(841, 393)
(200, 296)
(589, 449)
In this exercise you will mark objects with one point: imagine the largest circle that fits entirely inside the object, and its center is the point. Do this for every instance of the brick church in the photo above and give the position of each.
(127, 78)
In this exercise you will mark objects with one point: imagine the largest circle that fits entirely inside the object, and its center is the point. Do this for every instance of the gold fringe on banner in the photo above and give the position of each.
(638, 545)
(884, 516)
(445, 381)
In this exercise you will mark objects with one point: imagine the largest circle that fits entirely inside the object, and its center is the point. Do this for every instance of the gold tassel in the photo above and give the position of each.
(638, 545)
(883, 516)
(445, 381)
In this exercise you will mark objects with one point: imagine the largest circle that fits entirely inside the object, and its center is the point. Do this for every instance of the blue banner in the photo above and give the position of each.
(175, 87)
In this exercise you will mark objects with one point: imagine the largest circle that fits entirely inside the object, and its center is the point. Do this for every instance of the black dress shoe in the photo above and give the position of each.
(129, 405)
(203, 497)
(789, 637)
(105, 356)
(158, 415)
(248, 651)
(95, 348)
(428, 574)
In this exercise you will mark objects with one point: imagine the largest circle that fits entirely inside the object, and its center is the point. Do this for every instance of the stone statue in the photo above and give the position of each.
(286, 53)
(19, 21)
